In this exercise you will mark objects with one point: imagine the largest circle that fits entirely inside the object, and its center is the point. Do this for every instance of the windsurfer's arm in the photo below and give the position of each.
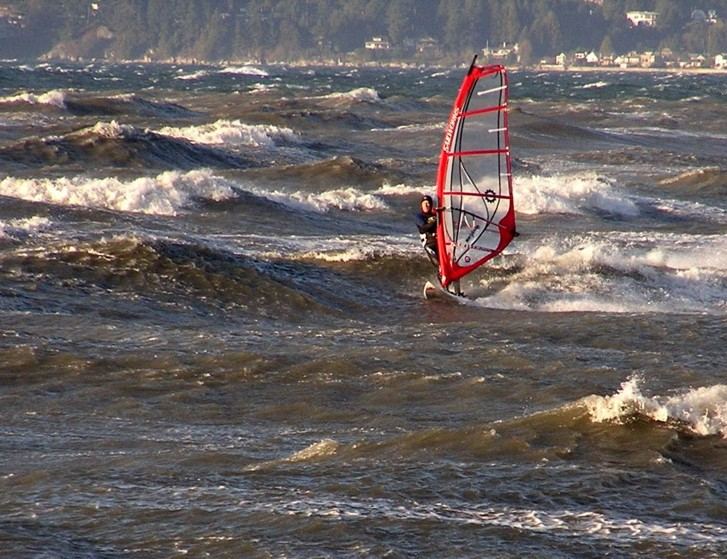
(426, 224)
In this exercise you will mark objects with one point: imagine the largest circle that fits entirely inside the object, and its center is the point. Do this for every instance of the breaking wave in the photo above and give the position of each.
(78, 104)
(347, 198)
(233, 132)
(15, 228)
(114, 144)
(701, 411)
(594, 85)
(615, 274)
(358, 248)
(572, 194)
(54, 98)
(199, 74)
(358, 95)
(164, 194)
(244, 70)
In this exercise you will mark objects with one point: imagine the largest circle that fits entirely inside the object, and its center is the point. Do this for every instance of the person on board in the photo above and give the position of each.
(426, 221)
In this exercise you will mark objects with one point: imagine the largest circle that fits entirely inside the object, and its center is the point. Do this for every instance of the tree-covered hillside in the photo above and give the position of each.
(295, 29)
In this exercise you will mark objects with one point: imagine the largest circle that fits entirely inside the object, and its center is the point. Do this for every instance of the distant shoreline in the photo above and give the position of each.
(618, 70)
(394, 64)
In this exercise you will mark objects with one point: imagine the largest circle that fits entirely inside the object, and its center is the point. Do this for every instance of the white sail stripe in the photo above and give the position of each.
(493, 90)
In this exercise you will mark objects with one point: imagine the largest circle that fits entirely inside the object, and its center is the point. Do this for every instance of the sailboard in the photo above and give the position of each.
(476, 213)
(434, 290)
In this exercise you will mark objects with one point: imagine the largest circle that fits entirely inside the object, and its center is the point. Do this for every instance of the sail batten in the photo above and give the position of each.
(493, 90)
(486, 110)
(474, 179)
(476, 152)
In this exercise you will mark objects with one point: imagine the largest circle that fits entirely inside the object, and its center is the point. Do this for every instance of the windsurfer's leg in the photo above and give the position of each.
(432, 254)
(455, 288)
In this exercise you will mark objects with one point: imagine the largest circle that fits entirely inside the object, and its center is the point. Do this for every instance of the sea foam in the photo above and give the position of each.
(14, 228)
(388, 189)
(56, 98)
(113, 129)
(346, 198)
(199, 74)
(356, 248)
(359, 94)
(572, 194)
(588, 525)
(244, 70)
(164, 194)
(587, 192)
(617, 273)
(233, 132)
(596, 85)
(702, 411)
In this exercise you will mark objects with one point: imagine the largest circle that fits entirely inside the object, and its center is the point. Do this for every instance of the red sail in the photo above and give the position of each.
(474, 180)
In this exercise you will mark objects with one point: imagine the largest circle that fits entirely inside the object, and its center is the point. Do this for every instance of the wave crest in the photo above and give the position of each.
(22, 227)
(54, 98)
(246, 70)
(359, 95)
(702, 411)
(115, 144)
(617, 273)
(349, 199)
(233, 132)
(572, 194)
(165, 194)
(706, 180)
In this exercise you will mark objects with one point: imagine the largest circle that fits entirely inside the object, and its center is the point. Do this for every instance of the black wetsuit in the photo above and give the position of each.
(427, 225)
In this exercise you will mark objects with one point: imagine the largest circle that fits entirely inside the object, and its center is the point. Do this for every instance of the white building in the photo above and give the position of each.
(720, 61)
(378, 43)
(647, 19)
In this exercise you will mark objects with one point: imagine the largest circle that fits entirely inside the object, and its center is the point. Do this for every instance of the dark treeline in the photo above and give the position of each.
(296, 29)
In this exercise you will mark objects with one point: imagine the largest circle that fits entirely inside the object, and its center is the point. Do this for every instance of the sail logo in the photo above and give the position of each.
(468, 246)
(453, 118)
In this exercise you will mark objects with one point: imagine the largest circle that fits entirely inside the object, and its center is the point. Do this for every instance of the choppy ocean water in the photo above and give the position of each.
(212, 339)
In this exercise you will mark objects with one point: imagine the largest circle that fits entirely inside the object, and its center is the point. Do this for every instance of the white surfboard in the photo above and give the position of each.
(432, 290)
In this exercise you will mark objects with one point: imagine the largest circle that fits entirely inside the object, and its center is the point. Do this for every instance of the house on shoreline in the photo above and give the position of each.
(664, 59)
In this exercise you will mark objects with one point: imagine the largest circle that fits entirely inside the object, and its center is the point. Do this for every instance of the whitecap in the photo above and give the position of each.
(233, 132)
(359, 94)
(55, 97)
(352, 249)
(596, 85)
(199, 74)
(572, 194)
(702, 411)
(23, 227)
(589, 525)
(164, 194)
(613, 272)
(246, 70)
(387, 189)
(345, 198)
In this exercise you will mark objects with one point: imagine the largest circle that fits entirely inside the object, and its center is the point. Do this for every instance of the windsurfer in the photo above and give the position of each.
(426, 221)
